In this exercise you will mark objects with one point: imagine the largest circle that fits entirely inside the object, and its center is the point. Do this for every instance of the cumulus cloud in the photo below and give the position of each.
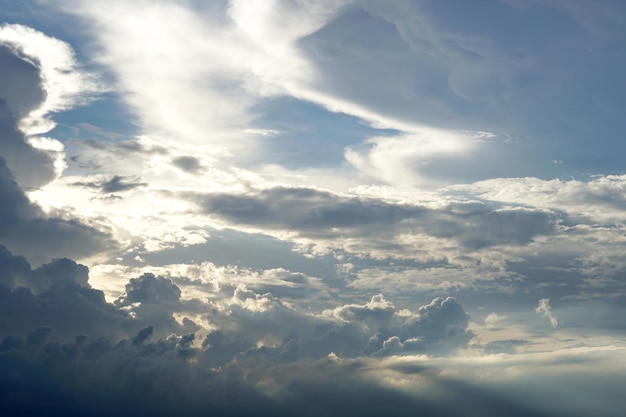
(315, 292)
(251, 352)
(53, 324)
(55, 295)
(151, 290)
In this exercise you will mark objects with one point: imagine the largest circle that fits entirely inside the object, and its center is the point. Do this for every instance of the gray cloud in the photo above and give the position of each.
(120, 148)
(321, 214)
(56, 295)
(124, 378)
(21, 92)
(25, 229)
(441, 70)
(66, 350)
(187, 163)
(149, 289)
(115, 184)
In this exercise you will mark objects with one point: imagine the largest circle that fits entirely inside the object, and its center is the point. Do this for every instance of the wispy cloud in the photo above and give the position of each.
(545, 310)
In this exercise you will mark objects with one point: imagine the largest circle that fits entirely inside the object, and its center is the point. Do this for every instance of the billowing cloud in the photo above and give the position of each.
(138, 367)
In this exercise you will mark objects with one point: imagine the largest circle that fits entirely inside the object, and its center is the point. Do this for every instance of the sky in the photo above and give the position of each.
(313, 207)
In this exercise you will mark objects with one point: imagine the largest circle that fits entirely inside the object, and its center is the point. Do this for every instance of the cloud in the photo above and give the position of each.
(25, 229)
(601, 199)
(494, 320)
(55, 295)
(544, 309)
(261, 355)
(141, 375)
(39, 76)
(20, 93)
(63, 82)
(187, 163)
(115, 184)
(321, 214)
(148, 289)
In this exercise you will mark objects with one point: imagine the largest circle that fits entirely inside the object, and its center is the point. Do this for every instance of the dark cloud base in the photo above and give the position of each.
(65, 350)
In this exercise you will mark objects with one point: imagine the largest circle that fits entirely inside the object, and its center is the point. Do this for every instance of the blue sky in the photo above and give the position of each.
(414, 203)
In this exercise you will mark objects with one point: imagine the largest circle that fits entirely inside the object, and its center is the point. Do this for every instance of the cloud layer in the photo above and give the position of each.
(309, 208)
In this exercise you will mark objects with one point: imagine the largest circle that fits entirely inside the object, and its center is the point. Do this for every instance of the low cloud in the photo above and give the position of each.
(257, 355)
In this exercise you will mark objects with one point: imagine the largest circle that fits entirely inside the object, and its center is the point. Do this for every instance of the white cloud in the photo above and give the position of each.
(494, 320)
(398, 160)
(545, 310)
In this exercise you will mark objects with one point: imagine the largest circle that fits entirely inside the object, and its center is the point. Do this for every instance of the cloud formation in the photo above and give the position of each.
(545, 310)
(115, 184)
(27, 230)
(256, 351)
(312, 207)
(316, 213)
(21, 92)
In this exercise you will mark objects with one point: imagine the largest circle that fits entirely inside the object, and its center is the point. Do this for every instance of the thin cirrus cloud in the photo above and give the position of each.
(312, 207)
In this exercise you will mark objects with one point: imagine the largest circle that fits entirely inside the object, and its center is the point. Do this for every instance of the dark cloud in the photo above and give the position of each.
(143, 335)
(149, 289)
(120, 148)
(25, 229)
(187, 163)
(115, 184)
(65, 350)
(21, 86)
(56, 296)
(303, 209)
(101, 378)
(314, 213)
(253, 250)
(21, 92)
